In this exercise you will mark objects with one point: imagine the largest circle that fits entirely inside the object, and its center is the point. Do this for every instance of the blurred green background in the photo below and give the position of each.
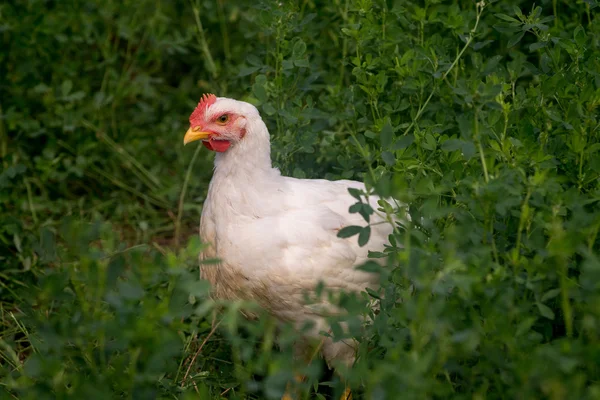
(483, 116)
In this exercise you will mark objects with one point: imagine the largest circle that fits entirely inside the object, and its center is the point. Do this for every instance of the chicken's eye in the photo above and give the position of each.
(223, 119)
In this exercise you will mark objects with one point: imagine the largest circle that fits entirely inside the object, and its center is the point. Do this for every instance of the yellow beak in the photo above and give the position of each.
(192, 135)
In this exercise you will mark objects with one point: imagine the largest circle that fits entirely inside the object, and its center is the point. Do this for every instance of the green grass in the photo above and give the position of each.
(482, 117)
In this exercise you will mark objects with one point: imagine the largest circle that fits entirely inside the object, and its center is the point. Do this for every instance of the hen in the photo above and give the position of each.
(276, 236)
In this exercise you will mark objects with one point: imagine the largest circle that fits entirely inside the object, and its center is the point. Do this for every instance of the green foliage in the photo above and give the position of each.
(481, 117)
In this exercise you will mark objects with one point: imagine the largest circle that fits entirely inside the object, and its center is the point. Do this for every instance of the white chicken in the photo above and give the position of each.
(276, 236)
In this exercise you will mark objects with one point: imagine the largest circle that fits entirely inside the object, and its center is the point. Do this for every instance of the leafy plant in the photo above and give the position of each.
(478, 120)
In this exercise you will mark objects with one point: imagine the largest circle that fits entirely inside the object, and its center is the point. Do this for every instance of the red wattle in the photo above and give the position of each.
(217, 145)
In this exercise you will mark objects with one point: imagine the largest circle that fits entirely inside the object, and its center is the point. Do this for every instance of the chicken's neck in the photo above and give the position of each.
(244, 180)
(250, 158)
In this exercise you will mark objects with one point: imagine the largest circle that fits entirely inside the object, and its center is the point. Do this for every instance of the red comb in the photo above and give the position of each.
(206, 100)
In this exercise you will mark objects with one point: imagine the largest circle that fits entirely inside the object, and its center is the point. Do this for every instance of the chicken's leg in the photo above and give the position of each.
(288, 390)
(347, 394)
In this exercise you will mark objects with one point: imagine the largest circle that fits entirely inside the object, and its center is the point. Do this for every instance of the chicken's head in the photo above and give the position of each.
(219, 122)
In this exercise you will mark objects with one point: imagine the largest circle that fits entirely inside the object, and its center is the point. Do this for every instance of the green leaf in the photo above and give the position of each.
(387, 207)
(579, 35)
(354, 208)
(363, 237)
(515, 39)
(260, 92)
(518, 12)
(356, 193)
(481, 45)
(506, 28)
(47, 248)
(115, 269)
(537, 45)
(349, 32)
(287, 64)
(299, 49)
(247, 71)
(505, 17)
(349, 231)
(371, 292)
(377, 254)
(452, 145)
(403, 142)
(388, 157)
(546, 19)
(387, 135)
(468, 150)
(491, 65)
(491, 91)
(370, 266)
(269, 109)
(66, 87)
(365, 211)
(130, 290)
(593, 148)
(302, 63)
(525, 326)
(429, 143)
(550, 294)
(545, 311)
(298, 173)
(465, 125)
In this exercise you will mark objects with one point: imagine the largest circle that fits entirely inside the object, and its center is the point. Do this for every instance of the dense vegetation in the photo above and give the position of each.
(483, 117)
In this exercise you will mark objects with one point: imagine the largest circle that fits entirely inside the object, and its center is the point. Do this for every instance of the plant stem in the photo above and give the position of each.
(149, 179)
(344, 46)
(30, 201)
(480, 147)
(458, 57)
(224, 33)
(522, 218)
(208, 59)
(564, 295)
(593, 236)
(183, 193)
(149, 198)
(3, 140)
